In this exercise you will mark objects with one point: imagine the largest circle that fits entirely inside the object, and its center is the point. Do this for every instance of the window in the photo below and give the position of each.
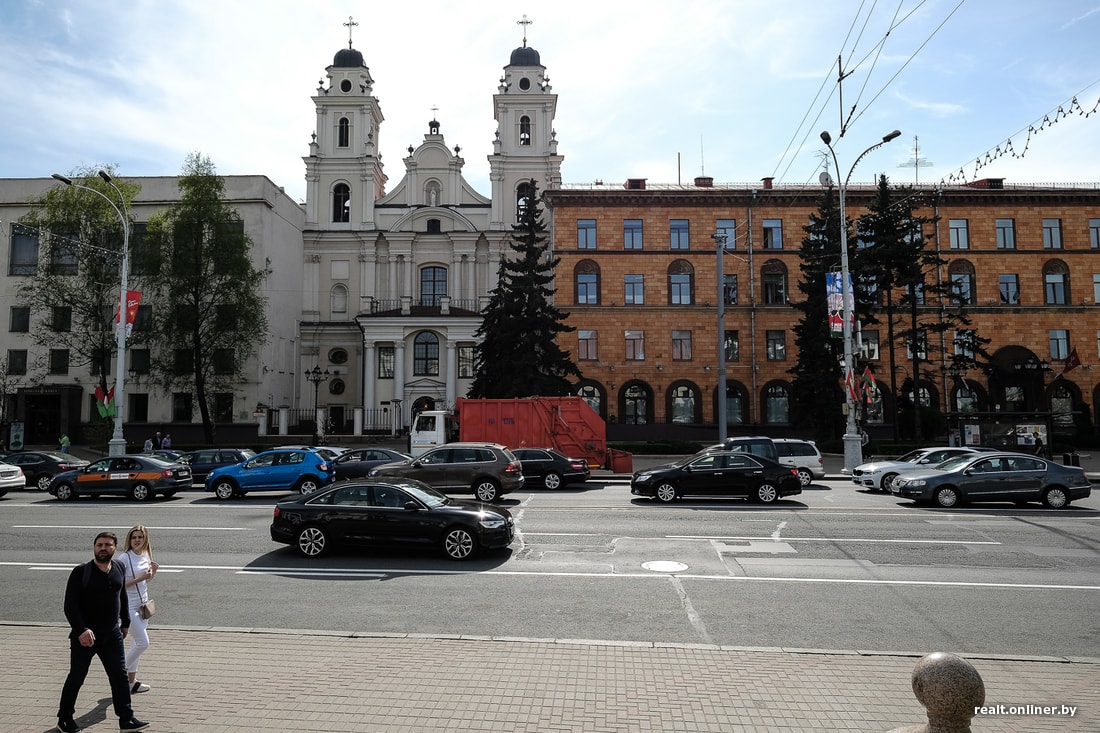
(426, 354)
(773, 234)
(586, 278)
(338, 299)
(341, 203)
(586, 234)
(24, 251)
(632, 234)
(1094, 233)
(525, 130)
(343, 133)
(181, 407)
(922, 350)
(960, 233)
(732, 346)
(1096, 288)
(735, 405)
(183, 362)
(635, 345)
(100, 362)
(681, 283)
(20, 319)
(965, 341)
(681, 345)
(728, 227)
(466, 361)
(17, 361)
(776, 345)
(636, 402)
(1055, 283)
(729, 289)
(139, 361)
(523, 195)
(870, 345)
(962, 282)
(137, 404)
(634, 289)
(144, 255)
(683, 405)
(679, 234)
(59, 361)
(1052, 234)
(143, 319)
(776, 405)
(1006, 233)
(63, 259)
(773, 276)
(338, 356)
(1010, 289)
(386, 357)
(433, 285)
(1059, 344)
(588, 345)
(223, 407)
(222, 361)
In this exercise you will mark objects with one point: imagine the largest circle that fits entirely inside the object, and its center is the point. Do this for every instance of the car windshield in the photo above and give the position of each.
(953, 464)
(425, 493)
(912, 456)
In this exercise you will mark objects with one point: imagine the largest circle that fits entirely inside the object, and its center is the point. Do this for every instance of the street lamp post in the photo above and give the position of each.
(117, 445)
(720, 245)
(853, 448)
(315, 377)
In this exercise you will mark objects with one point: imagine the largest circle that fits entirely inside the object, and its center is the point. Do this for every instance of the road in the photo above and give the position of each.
(833, 568)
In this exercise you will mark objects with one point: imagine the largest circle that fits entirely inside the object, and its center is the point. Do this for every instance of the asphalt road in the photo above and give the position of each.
(834, 568)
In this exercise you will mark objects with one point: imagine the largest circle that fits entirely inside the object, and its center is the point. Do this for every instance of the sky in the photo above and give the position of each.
(737, 90)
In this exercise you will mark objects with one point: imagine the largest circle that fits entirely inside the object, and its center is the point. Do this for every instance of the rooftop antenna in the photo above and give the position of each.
(702, 161)
(916, 161)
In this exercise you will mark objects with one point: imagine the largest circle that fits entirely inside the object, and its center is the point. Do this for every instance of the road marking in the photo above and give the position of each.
(769, 546)
(834, 539)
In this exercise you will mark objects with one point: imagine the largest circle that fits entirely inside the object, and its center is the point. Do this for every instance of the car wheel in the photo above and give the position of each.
(225, 490)
(486, 490)
(308, 485)
(312, 541)
(141, 492)
(887, 482)
(767, 494)
(665, 492)
(43, 482)
(805, 476)
(1055, 498)
(459, 543)
(948, 496)
(552, 480)
(65, 492)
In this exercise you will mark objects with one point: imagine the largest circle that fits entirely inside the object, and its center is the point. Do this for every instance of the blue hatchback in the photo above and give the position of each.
(284, 470)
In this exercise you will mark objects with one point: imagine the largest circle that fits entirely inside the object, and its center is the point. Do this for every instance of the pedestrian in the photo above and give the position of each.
(98, 612)
(148, 447)
(138, 569)
(166, 443)
(157, 440)
(1039, 445)
(65, 443)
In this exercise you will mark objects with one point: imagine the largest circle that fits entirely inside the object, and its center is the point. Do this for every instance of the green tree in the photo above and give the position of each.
(518, 353)
(209, 315)
(73, 288)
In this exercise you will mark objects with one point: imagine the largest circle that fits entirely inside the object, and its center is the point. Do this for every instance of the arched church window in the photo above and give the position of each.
(523, 194)
(338, 299)
(525, 130)
(343, 136)
(426, 354)
(341, 203)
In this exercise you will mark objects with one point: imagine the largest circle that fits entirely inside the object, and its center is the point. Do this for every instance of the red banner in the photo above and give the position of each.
(133, 298)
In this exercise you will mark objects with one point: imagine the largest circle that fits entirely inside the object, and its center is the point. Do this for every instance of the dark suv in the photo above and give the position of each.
(206, 460)
(487, 470)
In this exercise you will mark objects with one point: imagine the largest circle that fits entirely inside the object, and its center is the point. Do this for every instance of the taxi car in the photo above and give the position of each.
(138, 477)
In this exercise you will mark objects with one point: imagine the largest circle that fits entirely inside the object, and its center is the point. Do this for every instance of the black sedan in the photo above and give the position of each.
(1010, 477)
(358, 462)
(398, 512)
(139, 477)
(41, 466)
(718, 474)
(550, 468)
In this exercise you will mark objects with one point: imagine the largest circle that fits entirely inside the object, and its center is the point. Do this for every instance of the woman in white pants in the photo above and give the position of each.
(139, 568)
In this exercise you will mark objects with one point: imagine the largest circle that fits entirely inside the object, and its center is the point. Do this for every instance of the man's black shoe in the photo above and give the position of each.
(133, 724)
(68, 726)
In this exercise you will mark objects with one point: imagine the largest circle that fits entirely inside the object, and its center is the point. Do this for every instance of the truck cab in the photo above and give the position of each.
(432, 428)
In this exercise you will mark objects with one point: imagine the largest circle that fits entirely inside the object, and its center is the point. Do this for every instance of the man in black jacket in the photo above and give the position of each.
(99, 614)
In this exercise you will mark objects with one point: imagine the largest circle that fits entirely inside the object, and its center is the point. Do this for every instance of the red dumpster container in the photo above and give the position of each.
(621, 461)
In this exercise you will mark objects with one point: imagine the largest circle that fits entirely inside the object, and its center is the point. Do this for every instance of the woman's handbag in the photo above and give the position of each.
(147, 609)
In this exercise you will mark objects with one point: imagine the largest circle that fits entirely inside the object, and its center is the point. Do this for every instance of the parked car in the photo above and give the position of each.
(757, 445)
(11, 477)
(286, 470)
(720, 473)
(1013, 477)
(551, 468)
(202, 462)
(488, 470)
(172, 456)
(140, 477)
(878, 475)
(397, 511)
(40, 467)
(803, 456)
(328, 451)
(358, 462)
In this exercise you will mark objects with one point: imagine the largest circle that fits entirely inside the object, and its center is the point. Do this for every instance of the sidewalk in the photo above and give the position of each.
(245, 680)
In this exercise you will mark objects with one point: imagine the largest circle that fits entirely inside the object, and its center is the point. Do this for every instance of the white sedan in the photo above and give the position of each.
(878, 475)
(11, 477)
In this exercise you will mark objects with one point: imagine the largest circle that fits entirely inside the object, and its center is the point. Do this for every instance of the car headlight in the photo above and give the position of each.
(492, 522)
(641, 478)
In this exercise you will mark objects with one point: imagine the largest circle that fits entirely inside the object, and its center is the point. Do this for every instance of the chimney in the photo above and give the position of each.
(768, 182)
(635, 184)
(704, 182)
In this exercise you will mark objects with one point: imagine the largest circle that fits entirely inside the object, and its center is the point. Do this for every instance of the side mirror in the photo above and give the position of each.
(412, 506)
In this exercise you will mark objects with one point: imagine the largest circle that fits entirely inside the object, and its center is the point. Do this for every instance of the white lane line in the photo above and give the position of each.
(834, 539)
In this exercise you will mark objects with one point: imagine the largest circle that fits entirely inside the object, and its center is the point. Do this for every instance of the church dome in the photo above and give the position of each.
(349, 58)
(525, 56)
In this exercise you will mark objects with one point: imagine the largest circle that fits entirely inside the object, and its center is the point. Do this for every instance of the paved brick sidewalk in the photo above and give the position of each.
(239, 680)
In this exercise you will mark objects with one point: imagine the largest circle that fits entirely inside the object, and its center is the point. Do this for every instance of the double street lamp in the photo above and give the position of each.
(315, 376)
(117, 445)
(853, 449)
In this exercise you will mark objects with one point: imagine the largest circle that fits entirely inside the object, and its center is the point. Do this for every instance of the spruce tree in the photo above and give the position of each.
(518, 354)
